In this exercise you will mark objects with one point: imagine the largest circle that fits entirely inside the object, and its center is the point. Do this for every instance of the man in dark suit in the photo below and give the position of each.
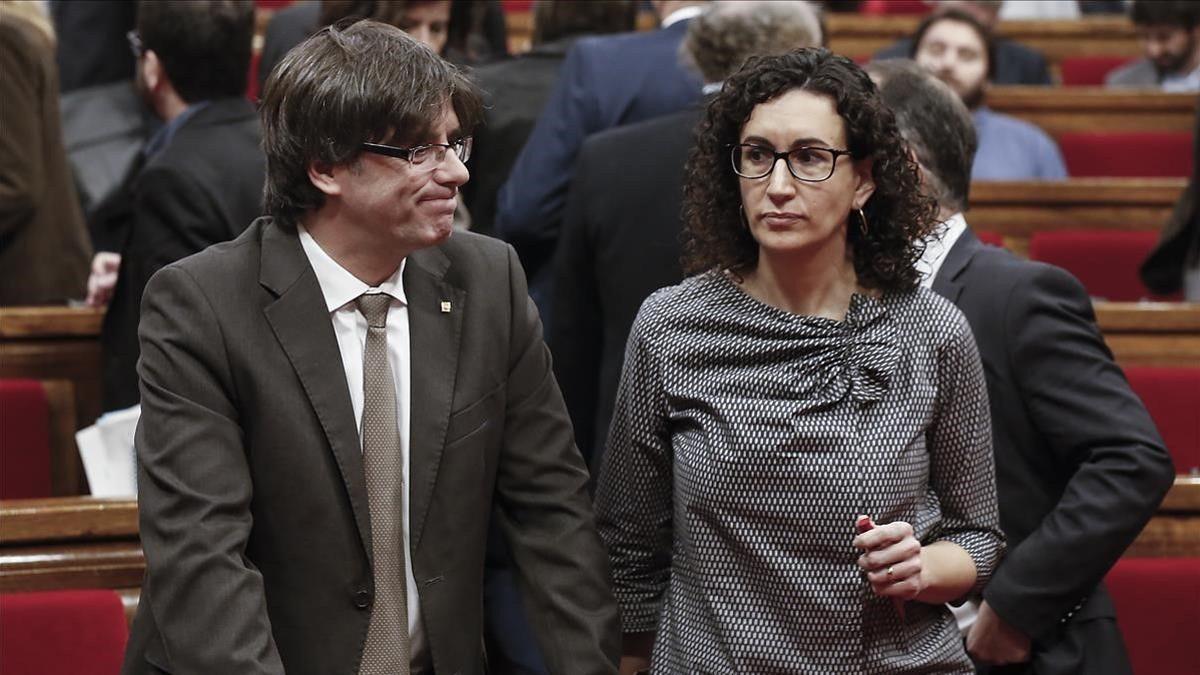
(622, 223)
(1013, 62)
(517, 89)
(605, 82)
(200, 176)
(336, 404)
(1080, 466)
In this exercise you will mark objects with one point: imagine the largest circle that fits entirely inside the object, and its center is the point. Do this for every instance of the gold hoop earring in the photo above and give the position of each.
(862, 222)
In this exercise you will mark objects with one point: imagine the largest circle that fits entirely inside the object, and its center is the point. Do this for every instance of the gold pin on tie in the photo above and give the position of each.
(445, 307)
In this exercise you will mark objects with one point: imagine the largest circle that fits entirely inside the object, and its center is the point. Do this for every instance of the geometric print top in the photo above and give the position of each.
(744, 442)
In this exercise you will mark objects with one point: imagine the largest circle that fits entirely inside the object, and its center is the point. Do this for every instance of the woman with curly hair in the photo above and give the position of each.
(799, 379)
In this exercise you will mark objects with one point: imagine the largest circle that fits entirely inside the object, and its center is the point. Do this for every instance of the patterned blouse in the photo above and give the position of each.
(745, 441)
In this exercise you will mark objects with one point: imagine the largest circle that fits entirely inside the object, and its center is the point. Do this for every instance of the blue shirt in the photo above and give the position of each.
(166, 132)
(1013, 149)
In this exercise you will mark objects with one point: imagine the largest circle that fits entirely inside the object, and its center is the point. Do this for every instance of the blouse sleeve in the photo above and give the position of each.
(962, 466)
(634, 492)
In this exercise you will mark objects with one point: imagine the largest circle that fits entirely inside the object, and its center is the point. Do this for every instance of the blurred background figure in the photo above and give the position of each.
(44, 248)
(199, 179)
(605, 82)
(1170, 34)
(1174, 264)
(1014, 63)
(516, 90)
(956, 47)
(105, 121)
(622, 225)
(467, 32)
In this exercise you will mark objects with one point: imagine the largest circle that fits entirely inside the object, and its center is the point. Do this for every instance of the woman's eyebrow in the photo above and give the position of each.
(799, 142)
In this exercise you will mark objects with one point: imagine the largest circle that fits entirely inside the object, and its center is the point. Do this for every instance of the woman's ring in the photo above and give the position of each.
(889, 571)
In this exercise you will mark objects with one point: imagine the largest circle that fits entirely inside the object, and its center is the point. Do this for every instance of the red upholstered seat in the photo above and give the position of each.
(62, 633)
(1158, 609)
(889, 7)
(1172, 396)
(990, 238)
(1089, 71)
(1105, 261)
(1134, 154)
(24, 440)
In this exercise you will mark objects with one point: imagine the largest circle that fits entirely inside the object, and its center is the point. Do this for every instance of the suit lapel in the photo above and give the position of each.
(301, 324)
(947, 283)
(434, 337)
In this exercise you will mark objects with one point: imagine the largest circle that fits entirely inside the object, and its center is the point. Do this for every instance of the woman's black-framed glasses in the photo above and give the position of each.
(424, 157)
(808, 164)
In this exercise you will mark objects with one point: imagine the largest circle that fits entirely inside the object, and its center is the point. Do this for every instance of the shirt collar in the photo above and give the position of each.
(338, 285)
(166, 132)
(938, 245)
(681, 14)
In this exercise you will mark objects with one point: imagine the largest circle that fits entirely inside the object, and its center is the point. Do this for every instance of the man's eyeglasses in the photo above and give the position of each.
(424, 157)
(135, 43)
(812, 165)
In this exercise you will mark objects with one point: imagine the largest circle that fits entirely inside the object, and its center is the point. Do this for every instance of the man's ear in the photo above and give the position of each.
(323, 177)
(152, 70)
(866, 181)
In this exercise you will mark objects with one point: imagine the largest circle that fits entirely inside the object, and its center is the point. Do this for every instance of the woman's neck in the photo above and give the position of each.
(810, 283)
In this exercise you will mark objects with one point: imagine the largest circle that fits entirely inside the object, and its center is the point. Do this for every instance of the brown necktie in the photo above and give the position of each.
(387, 648)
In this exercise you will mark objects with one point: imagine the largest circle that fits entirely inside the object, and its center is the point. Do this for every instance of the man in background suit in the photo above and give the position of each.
(336, 403)
(517, 89)
(622, 223)
(605, 82)
(1014, 62)
(199, 179)
(1080, 466)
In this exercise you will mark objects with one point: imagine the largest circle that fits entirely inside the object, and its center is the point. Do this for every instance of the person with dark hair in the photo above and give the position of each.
(1170, 34)
(336, 404)
(517, 89)
(198, 180)
(960, 50)
(44, 247)
(1012, 62)
(799, 378)
(623, 222)
(464, 31)
(605, 82)
(1080, 466)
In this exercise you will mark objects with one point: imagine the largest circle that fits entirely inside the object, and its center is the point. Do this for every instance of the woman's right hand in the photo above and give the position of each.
(635, 653)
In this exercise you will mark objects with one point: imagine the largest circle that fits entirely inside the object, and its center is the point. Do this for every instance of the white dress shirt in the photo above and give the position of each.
(938, 245)
(340, 289)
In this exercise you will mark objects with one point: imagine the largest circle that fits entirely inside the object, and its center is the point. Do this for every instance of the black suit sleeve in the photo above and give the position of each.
(194, 491)
(544, 510)
(1083, 407)
(576, 329)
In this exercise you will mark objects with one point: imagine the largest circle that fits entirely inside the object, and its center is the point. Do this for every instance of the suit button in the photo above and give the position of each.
(362, 599)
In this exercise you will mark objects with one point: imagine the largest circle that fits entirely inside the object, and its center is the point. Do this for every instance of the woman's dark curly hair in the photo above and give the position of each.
(898, 214)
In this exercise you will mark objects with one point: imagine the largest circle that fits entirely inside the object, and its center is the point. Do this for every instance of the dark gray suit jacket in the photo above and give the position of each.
(253, 505)
(1080, 466)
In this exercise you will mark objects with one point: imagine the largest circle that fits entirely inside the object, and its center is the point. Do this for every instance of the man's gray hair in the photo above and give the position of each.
(935, 124)
(720, 40)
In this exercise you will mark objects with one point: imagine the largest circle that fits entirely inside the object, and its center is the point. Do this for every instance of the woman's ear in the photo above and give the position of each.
(865, 181)
(324, 177)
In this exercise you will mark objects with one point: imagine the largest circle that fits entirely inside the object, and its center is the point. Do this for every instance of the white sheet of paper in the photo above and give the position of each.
(106, 449)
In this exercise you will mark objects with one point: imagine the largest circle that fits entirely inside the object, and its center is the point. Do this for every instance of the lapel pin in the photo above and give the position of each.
(445, 307)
